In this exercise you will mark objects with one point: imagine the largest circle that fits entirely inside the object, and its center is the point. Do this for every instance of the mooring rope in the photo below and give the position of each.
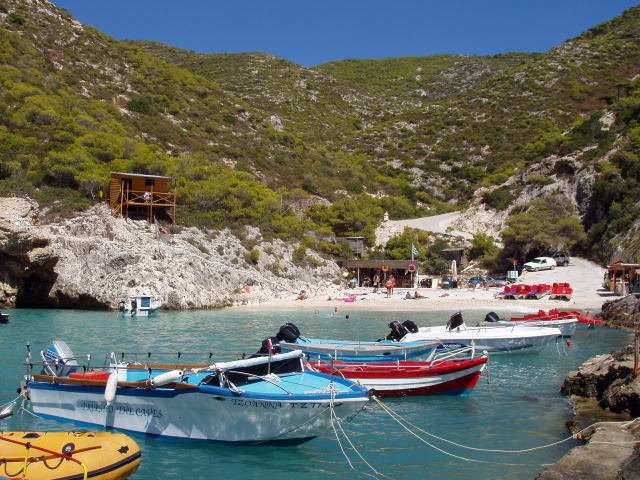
(459, 457)
(344, 453)
(397, 416)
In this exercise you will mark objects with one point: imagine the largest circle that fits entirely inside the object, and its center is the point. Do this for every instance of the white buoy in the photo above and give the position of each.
(166, 378)
(110, 389)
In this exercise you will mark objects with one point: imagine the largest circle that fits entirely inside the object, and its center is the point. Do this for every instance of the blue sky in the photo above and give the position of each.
(312, 32)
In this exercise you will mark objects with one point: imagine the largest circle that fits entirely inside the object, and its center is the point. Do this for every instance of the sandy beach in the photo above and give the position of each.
(585, 278)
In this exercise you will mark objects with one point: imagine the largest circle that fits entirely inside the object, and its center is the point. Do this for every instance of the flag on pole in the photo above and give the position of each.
(160, 230)
(414, 251)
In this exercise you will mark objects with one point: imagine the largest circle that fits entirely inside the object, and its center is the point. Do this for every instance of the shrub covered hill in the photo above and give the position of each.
(255, 139)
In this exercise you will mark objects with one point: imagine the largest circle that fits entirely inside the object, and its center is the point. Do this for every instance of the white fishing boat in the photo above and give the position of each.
(493, 339)
(274, 398)
(139, 306)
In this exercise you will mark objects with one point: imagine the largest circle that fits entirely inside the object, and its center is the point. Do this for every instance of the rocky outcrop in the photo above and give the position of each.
(610, 380)
(609, 455)
(95, 259)
(26, 256)
(601, 387)
(623, 313)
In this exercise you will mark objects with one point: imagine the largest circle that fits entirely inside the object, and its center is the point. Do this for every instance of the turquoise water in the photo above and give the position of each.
(515, 406)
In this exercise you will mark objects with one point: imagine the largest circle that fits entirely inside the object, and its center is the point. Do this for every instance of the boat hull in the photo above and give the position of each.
(500, 339)
(412, 378)
(566, 325)
(204, 413)
(108, 456)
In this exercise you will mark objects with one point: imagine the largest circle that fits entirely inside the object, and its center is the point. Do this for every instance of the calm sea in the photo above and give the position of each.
(516, 405)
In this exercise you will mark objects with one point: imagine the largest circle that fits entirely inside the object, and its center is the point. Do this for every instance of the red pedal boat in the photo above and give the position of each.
(555, 314)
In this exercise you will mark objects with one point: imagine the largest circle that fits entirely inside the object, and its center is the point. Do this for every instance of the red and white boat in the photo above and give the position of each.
(406, 377)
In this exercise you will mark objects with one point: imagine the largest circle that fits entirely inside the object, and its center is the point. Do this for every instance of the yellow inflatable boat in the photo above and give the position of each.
(67, 455)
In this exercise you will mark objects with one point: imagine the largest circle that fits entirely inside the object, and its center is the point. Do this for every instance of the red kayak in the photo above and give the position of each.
(402, 378)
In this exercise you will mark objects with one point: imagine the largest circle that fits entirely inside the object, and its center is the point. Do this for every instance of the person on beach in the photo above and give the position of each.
(376, 282)
(391, 283)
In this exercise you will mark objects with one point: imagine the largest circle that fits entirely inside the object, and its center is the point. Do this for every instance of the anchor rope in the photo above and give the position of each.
(10, 402)
(344, 453)
(394, 414)
(459, 457)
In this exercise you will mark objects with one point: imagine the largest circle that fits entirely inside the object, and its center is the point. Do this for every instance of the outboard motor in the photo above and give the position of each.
(411, 326)
(398, 331)
(492, 317)
(455, 321)
(288, 332)
(58, 359)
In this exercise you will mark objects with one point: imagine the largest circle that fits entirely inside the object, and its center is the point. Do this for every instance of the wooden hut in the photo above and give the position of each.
(404, 271)
(622, 278)
(132, 194)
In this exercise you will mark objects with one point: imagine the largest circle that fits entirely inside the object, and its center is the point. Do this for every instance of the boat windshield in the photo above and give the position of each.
(243, 375)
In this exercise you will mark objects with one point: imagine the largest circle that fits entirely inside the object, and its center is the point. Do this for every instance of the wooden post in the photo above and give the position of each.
(635, 354)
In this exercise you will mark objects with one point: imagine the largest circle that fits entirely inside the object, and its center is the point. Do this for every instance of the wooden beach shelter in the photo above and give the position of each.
(142, 196)
(623, 278)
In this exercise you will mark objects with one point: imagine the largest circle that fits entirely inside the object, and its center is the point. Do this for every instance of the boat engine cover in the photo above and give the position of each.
(58, 359)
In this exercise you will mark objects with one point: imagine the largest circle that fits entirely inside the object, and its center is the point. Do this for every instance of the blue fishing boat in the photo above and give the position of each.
(272, 398)
(289, 339)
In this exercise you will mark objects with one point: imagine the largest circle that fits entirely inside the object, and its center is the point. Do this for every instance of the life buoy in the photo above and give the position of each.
(411, 267)
(385, 268)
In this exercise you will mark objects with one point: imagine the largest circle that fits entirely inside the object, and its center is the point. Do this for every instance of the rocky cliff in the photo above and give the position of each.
(27, 260)
(95, 259)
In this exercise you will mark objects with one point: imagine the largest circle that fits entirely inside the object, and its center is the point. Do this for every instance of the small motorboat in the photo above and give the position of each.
(4, 317)
(566, 323)
(493, 338)
(289, 339)
(272, 398)
(139, 306)
(68, 455)
(444, 374)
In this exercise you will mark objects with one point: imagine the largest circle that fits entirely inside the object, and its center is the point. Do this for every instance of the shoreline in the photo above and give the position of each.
(435, 300)
(584, 276)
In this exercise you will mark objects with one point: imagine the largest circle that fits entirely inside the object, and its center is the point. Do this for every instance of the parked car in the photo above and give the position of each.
(447, 281)
(561, 258)
(497, 280)
(475, 281)
(540, 263)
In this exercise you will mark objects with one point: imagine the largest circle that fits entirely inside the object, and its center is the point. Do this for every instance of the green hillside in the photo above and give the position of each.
(252, 138)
